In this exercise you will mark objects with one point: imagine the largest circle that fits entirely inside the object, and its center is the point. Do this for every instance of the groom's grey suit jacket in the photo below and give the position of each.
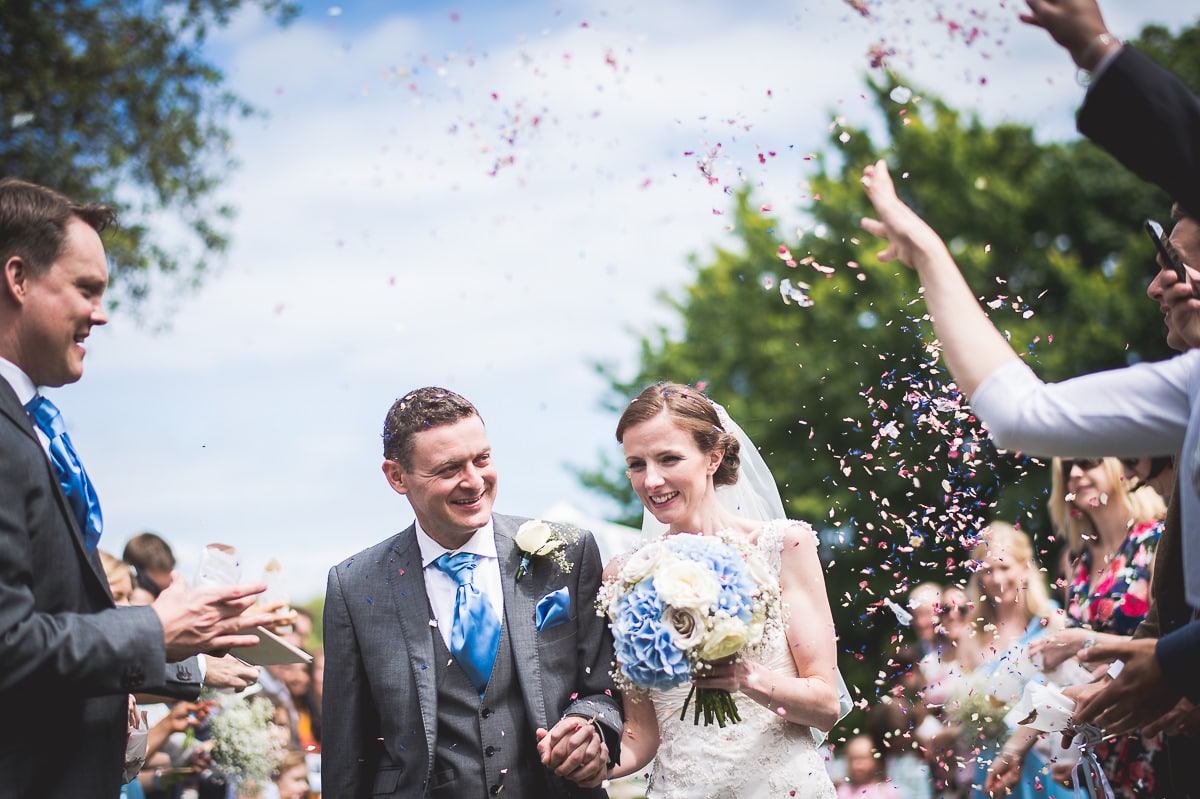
(380, 713)
(68, 656)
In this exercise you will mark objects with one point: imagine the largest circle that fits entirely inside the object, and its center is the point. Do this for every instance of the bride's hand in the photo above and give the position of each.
(908, 236)
(733, 674)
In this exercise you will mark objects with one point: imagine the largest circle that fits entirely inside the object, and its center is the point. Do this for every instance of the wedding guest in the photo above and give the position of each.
(70, 657)
(1156, 472)
(1131, 412)
(291, 776)
(892, 725)
(152, 560)
(1113, 533)
(941, 670)
(297, 680)
(922, 604)
(1011, 609)
(866, 773)
(695, 471)
(472, 706)
(120, 579)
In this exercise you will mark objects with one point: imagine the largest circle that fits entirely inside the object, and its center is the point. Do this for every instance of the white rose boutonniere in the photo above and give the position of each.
(536, 538)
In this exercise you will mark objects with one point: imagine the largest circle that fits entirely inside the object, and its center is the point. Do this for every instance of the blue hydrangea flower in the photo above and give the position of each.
(643, 644)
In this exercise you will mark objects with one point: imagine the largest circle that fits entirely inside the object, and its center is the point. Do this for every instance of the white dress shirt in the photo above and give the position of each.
(1145, 409)
(23, 385)
(442, 589)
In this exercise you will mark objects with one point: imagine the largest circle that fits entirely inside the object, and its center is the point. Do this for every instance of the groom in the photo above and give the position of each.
(443, 671)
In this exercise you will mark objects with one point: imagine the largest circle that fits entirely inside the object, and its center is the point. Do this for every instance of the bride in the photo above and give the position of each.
(683, 460)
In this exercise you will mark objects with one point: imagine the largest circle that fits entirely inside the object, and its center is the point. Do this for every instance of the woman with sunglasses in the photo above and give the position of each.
(1112, 531)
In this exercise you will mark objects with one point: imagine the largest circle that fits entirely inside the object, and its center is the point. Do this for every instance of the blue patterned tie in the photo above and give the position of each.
(475, 634)
(67, 467)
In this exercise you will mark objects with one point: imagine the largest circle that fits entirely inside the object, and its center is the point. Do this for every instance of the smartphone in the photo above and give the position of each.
(1168, 252)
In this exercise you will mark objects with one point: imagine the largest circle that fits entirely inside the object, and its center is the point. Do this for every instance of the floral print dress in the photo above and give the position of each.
(1117, 603)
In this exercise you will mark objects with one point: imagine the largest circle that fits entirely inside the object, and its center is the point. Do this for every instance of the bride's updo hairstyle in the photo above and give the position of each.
(691, 412)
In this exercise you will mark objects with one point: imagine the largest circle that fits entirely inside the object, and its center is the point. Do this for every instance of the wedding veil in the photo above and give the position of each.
(756, 497)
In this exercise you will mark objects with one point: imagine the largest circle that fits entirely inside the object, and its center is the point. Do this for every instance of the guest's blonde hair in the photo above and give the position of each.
(114, 568)
(1143, 505)
(1016, 544)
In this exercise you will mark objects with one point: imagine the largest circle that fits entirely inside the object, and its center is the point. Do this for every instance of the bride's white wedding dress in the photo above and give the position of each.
(762, 756)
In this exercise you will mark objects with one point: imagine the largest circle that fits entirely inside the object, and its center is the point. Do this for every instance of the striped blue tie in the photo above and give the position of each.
(69, 470)
(475, 634)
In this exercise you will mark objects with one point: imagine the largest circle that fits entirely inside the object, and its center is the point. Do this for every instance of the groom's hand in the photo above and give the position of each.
(575, 750)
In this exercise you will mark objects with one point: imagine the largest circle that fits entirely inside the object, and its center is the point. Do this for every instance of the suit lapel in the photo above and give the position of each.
(412, 606)
(520, 600)
(11, 407)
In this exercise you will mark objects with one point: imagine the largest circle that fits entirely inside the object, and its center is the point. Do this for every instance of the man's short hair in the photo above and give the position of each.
(416, 411)
(33, 222)
(149, 552)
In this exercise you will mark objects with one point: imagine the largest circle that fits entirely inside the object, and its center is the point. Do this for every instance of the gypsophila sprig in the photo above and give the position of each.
(681, 602)
(243, 745)
(974, 707)
(538, 539)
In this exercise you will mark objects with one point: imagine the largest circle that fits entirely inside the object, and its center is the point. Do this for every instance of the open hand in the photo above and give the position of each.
(206, 619)
(1074, 24)
(909, 238)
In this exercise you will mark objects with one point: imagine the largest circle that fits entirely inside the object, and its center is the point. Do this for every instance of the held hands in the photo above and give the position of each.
(575, 750)
(206, 619)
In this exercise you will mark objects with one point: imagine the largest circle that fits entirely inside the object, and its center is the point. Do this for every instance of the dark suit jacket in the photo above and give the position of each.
(1150, 121)
(68, 657)
(379, 721)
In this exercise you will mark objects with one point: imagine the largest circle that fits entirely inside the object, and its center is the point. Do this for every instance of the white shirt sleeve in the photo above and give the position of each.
(1137, 410)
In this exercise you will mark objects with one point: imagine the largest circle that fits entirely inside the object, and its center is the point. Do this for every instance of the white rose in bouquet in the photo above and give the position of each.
(725, 637)
(642, 563)
(687, 584)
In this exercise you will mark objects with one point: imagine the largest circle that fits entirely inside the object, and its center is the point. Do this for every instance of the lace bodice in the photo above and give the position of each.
(762, 756)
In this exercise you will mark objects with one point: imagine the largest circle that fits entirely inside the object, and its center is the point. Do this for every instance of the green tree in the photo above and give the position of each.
(113, 101)
(866, 435)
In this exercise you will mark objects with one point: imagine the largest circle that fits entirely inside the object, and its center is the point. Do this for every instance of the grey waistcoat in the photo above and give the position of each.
(485, 745)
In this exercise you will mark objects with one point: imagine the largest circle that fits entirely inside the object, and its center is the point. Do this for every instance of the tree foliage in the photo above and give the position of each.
(113, 101)
(865, 433)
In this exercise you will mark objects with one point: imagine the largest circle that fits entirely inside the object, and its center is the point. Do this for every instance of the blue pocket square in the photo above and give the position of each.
(553, 609)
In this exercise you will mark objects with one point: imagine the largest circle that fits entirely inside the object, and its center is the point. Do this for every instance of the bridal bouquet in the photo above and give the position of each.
(681, 602)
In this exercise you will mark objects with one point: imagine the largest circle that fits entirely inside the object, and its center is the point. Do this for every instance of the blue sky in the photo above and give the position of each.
(488, 197)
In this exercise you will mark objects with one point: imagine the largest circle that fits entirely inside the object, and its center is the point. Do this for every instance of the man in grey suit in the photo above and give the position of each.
(68, 657)
(527, 706)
